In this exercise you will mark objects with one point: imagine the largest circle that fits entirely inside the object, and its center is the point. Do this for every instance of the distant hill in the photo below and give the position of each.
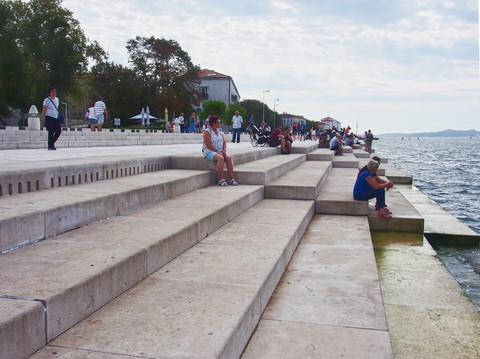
(444, 133)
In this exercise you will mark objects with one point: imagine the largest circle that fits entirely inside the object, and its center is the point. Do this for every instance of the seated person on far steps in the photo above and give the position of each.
(336, 144)
(367, 187)
(277, 138)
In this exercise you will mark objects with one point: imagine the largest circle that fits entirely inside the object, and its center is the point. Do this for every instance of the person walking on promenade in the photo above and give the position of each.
(49, 117)
(215, 149)
(237, 121)
(91, 117)
(101, 113)
(303, 130)
(368, 141)
(367, 187)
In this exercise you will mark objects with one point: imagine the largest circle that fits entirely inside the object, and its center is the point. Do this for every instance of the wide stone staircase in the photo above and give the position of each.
(144, 256)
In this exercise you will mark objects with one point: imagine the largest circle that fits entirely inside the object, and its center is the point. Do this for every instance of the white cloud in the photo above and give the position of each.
(346, 58)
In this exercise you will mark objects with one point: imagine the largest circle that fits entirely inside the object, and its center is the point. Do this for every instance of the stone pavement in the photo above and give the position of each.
(162, 271)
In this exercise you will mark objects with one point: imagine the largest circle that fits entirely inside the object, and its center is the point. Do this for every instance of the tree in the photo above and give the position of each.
(166, 73)
(254, 107)
(213, 107)
(230, 112)
(47, 46)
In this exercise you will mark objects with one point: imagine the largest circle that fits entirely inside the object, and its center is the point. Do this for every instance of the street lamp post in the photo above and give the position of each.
(263, 104)
(274, 105)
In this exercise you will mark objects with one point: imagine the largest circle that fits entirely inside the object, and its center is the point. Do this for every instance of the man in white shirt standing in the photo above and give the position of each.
(181, 122)
(237, 121)
(100, 112)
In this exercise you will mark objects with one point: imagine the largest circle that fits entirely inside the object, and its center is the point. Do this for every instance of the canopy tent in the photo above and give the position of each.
(139, 117)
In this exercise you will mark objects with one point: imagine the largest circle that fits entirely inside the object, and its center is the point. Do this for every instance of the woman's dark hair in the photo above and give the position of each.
(51, 88)
(213, 119)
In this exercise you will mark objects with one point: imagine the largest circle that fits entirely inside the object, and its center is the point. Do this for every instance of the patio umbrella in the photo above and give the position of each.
(148, 116)
(143, 116)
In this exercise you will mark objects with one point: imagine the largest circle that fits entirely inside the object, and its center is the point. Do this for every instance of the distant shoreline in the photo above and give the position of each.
(444, 133)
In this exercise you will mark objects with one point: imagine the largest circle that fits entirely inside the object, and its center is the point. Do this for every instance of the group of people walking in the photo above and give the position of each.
(53, 119)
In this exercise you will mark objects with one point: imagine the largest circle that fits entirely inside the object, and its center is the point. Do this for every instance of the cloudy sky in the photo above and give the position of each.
(389, 66)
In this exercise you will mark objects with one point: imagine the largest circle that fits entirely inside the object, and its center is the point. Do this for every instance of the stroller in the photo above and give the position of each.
(257, 136)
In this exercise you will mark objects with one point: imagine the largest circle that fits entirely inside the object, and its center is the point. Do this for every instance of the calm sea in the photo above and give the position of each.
(448, 171)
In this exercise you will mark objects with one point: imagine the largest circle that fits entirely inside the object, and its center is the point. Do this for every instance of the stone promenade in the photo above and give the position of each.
(133, 251)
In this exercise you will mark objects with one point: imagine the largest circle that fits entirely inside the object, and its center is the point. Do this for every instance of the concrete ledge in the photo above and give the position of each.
(336, 195)
(360, 153)
(35, 216)
(303, 182)
(329, 300)
(348, 160)
(207, 302)
(405, 217)
(303, 147)
(264, 170)
(395, 175)
(16, 179)
(22, 328)
(80, 271)
(321, 154)
(440, 226)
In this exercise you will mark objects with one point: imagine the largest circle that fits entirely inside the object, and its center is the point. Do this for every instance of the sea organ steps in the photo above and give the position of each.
(167, 217)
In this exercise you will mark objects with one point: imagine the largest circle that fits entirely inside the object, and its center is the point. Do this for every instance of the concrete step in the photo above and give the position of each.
(17, 178)
(440, 226)
(328, 303)
(361, 153)
(348, 160)
(78, 272)
(336, 195)
(75, 138)
(405, 216)
(265, 170)
(52, 170)
(303, 182)
(304, 147)
(22, 327)
(30, 217)
(204, 304)
(395, 175)
(321, 154)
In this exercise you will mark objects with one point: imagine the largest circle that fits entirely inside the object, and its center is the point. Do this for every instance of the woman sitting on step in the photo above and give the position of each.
(215, 149)
(368, 185)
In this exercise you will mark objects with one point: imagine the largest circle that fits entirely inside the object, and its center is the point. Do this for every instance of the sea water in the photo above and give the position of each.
(448, 171)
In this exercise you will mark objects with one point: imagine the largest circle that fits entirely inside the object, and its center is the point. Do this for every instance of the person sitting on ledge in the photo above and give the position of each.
(215, 149)
(336, 144)
(364, 168)
(323, 140)
(276, 139)
(366, 187)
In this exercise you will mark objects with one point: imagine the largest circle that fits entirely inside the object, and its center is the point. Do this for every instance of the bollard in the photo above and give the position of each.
(33, 118)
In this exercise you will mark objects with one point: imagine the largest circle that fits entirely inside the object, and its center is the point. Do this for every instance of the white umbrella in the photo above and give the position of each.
(148, 116)
(143, 117)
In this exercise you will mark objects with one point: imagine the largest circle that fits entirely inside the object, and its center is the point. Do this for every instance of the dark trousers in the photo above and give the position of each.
(54, 130)
(236, 134)
(379, 194)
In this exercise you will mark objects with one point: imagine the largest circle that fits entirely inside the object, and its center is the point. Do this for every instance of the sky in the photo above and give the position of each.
(389, 66)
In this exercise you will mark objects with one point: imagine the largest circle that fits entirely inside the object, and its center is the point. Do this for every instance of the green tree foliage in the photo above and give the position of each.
(47, 47)
(254, 107)
(213, 107)
(166, 74)
(230, 112)
(119, 86)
